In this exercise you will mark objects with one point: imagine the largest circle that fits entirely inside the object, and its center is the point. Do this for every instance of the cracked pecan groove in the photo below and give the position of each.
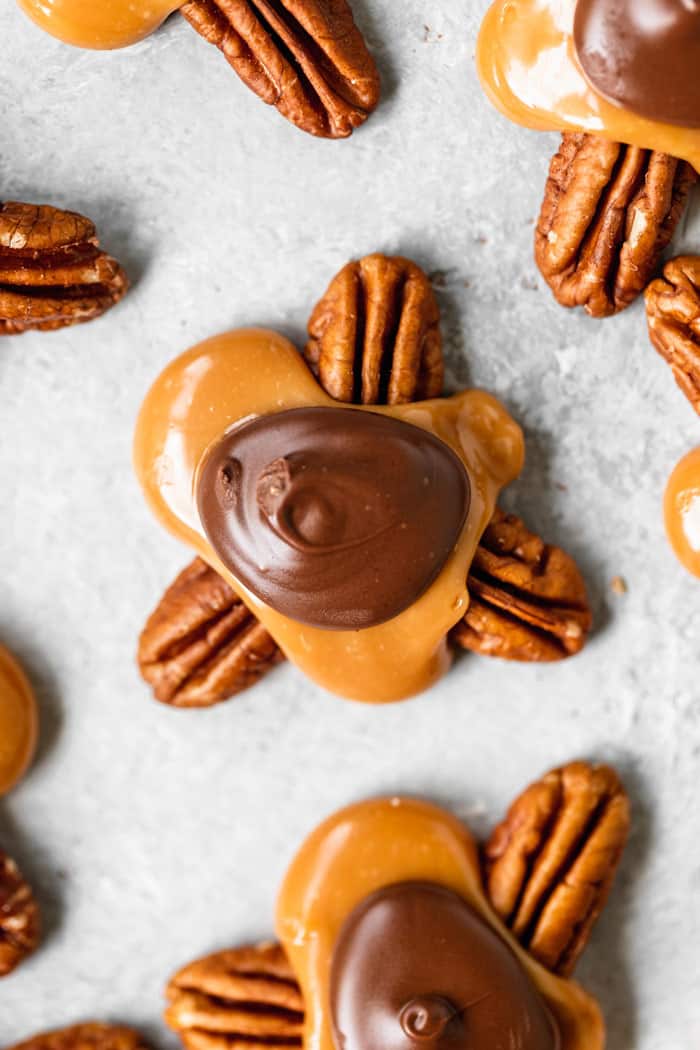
(19, 917)
(88, 1036)
(673, 316)
(528, 600)
(245, 997)
(374, 337)
(52, 270)
(202, 645)
(550, 865)
(306, 57)
(609, 212)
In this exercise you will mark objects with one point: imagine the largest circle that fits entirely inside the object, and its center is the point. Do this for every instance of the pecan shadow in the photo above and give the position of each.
(38, 868)
(367, 19)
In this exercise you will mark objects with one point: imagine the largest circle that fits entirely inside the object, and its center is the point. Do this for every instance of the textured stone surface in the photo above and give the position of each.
(155, 835)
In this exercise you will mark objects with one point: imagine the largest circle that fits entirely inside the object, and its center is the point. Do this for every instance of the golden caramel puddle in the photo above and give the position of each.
(528, 67)
(381, 843)
(249, 372)
(99, 24)
(682, 511)
(19, 722)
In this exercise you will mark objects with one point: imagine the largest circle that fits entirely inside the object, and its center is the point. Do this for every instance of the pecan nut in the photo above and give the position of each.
(88, 1036)
(374, 337)
(528, 600)
(306, 57)
(673, 315)
(550, 865)
(19, 917)
(242, 997)
(202, 645)
(609, 212)
(52, 270)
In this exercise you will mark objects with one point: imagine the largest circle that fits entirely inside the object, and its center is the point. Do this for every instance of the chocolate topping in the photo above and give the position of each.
(334, 517)
(643, 55)
(415, 968)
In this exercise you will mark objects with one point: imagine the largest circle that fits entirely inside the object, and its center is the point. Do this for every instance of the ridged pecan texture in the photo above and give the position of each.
(673, 315)
(374, 337)
(19, 917)
(609, 212)
(550, 865)
(89, 1036)
(52, 270)
(245, 997)
(528, 598)
(202, 645)
(306, 57)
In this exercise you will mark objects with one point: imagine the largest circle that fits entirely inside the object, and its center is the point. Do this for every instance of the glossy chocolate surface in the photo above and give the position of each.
(335, 518)
(416, 968)
(643, 55)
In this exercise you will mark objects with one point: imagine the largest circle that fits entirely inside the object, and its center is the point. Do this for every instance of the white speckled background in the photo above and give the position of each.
(153, 835)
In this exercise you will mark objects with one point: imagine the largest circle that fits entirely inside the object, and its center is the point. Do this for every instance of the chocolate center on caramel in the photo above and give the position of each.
(415, 968)
(643, 55)
(333, 517)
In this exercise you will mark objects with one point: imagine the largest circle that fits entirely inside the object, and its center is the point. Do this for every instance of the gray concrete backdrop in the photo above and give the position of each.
(153, 835)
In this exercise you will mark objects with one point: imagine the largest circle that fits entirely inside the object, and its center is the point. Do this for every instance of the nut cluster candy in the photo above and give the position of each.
(387, 927)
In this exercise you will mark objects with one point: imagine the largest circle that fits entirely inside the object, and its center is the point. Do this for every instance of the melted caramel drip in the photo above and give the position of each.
(18, 722)
(253, 372)
(528, 67)
(682, 511)
(381, 843)
(99, 24)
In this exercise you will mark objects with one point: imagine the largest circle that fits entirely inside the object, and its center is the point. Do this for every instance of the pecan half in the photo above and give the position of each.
(306, 57)
(52, 271)
(528, 599)
(245, 997)
(550, 865)
(374, 337)
(673, 315)
(202, 645)
(19, 917)
(609, 212)
(89, 1036)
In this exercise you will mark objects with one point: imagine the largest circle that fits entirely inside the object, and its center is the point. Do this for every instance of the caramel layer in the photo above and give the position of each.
(682, 511)
(527, 62)
(382, 843)
(18, 722)
(250, 372)
(99, 24)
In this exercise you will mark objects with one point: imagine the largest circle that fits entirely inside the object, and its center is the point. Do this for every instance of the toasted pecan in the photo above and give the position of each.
(528, 600)
(374, 337)
(201, 644)
(242, 998)
(52, 270)
(306, 57)
(550, 864)
(20, 925)
(88, 1036)
(673, 315)
(609, 212)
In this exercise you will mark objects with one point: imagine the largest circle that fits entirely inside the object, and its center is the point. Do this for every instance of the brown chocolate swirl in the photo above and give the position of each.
(415, 968)
(334, 517)
(643, 55)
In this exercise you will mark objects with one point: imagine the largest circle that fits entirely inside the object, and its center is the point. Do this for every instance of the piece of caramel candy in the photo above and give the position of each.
(18, 722)
(99, 24)
(682, 511)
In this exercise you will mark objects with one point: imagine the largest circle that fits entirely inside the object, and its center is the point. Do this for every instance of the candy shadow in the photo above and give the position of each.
(365, 14)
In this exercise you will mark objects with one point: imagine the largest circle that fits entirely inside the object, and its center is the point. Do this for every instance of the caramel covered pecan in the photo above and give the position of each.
(306, 57)
(549, 866)
(245, 997)
(201, 644)
(52, 271)
(374, 337)
(89, 1036)
(528, 599)
(609, 212)
(19, 917)
(673, 314)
